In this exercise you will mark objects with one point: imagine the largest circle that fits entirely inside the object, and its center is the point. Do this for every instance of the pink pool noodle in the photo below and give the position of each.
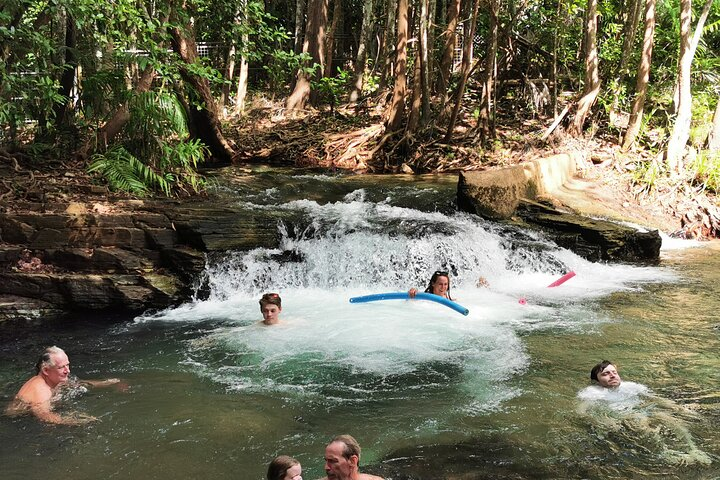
(562, 279)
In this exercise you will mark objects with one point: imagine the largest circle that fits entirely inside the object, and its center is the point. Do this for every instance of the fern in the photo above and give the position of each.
(155, 154)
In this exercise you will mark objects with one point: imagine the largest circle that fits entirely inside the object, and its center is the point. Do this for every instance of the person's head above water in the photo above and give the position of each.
(271, 306)
(284, 468)
(439, 284)
(54, 366)
(606, 374)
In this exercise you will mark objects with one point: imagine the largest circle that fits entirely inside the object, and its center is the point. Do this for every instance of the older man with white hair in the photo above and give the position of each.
(38, 395)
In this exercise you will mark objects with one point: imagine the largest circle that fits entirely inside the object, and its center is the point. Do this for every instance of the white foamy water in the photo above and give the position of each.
(327, 348)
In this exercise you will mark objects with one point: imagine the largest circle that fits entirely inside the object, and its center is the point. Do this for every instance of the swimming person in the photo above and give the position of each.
(271, 306)
(608, 385)
(284, 468)
(342, 460)
(622, 412)
(39, 394)
(439, 285)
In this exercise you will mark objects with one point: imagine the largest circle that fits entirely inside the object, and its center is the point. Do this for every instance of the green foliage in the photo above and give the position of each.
(331, 89)
(283, 65)
(155, 153)
(705, 170)
(647, 174)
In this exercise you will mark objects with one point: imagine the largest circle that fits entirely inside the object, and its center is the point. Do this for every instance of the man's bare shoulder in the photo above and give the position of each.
(367, 476)
(35, 391)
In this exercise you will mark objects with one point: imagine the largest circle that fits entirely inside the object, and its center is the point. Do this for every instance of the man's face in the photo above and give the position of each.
(609, 378)
(270, 313)
(338, 467)
(59, 371)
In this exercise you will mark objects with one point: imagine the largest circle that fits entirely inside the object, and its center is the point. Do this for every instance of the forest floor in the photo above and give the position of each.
(353, 139)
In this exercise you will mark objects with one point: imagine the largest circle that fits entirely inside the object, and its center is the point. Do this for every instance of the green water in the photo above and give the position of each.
(429, 394)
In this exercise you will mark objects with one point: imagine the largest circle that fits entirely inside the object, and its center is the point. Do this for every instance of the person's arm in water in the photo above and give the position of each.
(100, 383)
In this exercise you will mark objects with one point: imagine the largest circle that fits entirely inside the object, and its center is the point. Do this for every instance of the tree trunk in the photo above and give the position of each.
(643, 76)
(681, 129)
(205, 119)
(241, 93)
(415, 104)
(396, 112)
(330, 43)
(628, 34)
(465, 70)
(388, 47)
(592, 75)
(486, 123)
(446, 62)
(228, 75)
(361, 58)
(713, 143)
(693, 46)
(314, 43)
(556, 47)
(67, 80)
(424, 56)
(299, 24)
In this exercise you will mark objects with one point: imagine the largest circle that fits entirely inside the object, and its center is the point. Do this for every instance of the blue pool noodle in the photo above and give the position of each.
(406, 296)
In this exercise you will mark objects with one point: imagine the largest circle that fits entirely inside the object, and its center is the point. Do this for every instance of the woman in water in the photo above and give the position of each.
(284, 468)
(439, 285)
(270, 307)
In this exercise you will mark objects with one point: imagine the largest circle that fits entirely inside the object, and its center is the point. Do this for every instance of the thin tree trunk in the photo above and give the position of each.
(681, 129)
(628, 34)
(388, 47)
(485, 118)
(242, 84)
(299, 24)
(643, 76)
(314, 43)
(397, 106)
(465, 71)
(205, 119)
(424, 57)
(361, 58)
(556, 46)
(330, 41)
(713, 143)
(693, 45)
(69, 75)
(415, 104)
(592, 75)
(446, 63)
(228, 76)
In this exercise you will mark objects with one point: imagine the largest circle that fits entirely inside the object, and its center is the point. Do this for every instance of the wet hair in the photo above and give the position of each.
(433, 279)
(272, 299)
(599, 368)
(279, 467)
(46, 359)
(351, 446)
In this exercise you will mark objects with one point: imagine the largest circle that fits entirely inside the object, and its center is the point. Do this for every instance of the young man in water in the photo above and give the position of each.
(342, 460)
(606, 374)
(38, 394)
(270, 307)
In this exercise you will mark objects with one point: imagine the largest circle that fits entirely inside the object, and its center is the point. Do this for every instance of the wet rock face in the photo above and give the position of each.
(148, 256)
(595, 240)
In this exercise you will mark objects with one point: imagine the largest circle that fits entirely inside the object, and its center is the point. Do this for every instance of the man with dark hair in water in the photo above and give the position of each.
(342, 460)
(38, 394)
(606, 374)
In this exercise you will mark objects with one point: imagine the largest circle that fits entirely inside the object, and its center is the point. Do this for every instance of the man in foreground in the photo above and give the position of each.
(41, 392)
(342, 460)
